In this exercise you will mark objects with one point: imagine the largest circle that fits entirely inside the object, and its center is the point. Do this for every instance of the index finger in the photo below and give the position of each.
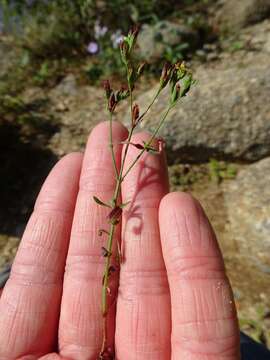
(29, 305)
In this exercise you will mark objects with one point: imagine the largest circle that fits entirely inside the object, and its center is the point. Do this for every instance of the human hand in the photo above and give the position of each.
(174, 300)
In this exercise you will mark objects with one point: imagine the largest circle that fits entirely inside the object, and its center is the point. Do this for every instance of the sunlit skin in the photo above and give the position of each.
(174, 299)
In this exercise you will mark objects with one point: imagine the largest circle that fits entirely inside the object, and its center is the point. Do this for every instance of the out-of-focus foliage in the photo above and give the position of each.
(47, 30)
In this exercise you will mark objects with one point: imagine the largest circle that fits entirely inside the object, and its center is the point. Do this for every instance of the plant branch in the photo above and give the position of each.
(150, 105)
(111, 148)
(148, 143)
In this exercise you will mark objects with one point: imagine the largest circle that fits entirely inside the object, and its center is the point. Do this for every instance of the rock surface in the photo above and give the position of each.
(154, 40)
(75, 108)
(248, 206)
(234, 15)
(225, 116)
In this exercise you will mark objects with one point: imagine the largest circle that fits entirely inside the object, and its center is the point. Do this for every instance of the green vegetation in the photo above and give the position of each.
(84, 34)
(256, 325)
(185, 176)
(220, 170)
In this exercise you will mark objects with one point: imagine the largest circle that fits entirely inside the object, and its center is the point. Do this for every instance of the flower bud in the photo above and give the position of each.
(132, 37)
(187, 83)
(165, 75)
(124, 51)
(141, 68)
(175, 93)
(133, 32)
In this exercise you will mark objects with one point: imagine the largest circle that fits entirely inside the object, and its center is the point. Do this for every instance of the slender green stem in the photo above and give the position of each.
(104, 302)
(111, 148)
(131, 99)
(119, 180)
(148, 143)
(118, 185)
(106, 271)
(150, 105)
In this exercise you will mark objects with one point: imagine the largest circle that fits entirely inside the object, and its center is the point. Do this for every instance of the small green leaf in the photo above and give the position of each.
(99, 202)
(150, 149)
(122, 206)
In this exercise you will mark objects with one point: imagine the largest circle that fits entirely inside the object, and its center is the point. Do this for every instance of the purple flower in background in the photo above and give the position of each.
(116, 38)
(92, 48)
(99, 30)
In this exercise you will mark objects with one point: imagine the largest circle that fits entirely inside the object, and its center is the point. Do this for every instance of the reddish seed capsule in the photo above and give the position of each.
(107, 88)
(112, 103)
(135, 114)
(114, 215)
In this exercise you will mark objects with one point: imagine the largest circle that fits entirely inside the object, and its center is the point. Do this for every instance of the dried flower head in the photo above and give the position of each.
(107, 88)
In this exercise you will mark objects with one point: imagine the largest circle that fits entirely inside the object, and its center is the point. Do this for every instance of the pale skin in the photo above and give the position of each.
(174, 299)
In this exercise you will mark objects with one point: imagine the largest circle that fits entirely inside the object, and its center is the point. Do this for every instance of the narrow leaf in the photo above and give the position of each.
(122, 206)
(99, 202)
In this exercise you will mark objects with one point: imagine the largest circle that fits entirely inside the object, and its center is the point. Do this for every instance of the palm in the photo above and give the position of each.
(174, 300)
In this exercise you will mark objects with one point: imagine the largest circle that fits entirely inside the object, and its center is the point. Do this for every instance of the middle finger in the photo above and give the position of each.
(143, 320)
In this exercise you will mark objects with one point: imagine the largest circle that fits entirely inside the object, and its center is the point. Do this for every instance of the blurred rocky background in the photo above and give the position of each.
(53, 57)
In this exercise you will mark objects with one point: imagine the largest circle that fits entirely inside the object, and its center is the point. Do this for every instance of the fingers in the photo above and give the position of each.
(29, 305)
(204, 324)
(143, 322)
(80, 328)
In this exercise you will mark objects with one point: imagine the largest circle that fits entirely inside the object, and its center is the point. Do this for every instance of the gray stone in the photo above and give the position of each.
(237, 14)
(68, 86)
(153, 40)
(248, 206)
(226, 115)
